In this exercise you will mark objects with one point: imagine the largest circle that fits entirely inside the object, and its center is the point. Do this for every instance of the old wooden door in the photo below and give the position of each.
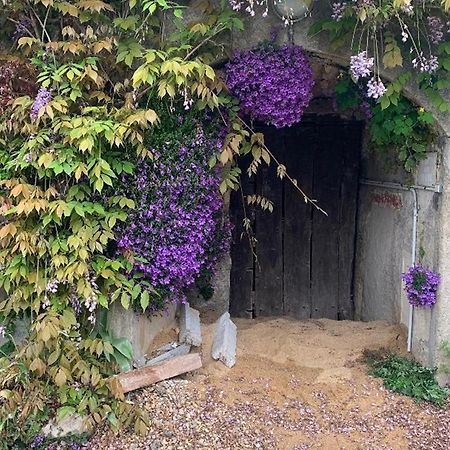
(304, 259)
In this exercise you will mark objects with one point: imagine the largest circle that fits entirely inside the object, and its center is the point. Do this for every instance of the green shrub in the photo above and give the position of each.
(406, 376)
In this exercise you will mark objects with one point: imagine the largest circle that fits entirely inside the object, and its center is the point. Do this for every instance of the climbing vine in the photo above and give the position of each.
(91, 78)
(388, 35)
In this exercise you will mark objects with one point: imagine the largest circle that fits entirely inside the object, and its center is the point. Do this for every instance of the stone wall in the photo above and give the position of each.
(385, 216)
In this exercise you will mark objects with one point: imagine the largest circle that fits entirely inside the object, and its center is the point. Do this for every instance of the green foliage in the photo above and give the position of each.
(445, 349)
(395, 123)
(395, 39)
(406, 377)
(109, 66)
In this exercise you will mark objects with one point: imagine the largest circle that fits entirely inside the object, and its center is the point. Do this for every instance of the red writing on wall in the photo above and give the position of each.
(387, 199)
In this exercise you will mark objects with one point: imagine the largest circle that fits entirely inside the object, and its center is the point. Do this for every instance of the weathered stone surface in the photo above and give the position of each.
(139, 329)
(22, 330)
(182, 349)
(224, 343)
(190, 330)
(71, 424)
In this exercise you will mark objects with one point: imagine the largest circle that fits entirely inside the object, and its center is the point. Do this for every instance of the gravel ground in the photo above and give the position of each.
(188, 416)
(263, 404)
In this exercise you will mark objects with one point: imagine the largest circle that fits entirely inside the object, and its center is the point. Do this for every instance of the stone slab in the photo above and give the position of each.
(225, 339)
(190, 329)
(181, 350)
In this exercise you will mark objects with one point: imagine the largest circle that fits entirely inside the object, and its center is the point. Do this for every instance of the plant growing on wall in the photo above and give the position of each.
(102, 70)
(392, 34)
(176, 232)
(421, 285)
(401, 127)
(273, 84)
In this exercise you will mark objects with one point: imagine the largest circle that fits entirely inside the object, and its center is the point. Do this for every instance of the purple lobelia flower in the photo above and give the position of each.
(42, 98)
(176, 231)
(375, 88)
(37, 441)
(421, 285)
(274, 85)
(360, 65)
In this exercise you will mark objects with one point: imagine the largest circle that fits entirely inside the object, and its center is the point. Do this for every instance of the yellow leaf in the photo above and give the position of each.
(60, 378)
(26, 41)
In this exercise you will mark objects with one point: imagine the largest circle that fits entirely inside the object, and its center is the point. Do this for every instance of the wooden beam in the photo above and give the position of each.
(135, 379)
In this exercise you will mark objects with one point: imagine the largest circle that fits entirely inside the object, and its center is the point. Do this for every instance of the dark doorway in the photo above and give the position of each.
(305, 259)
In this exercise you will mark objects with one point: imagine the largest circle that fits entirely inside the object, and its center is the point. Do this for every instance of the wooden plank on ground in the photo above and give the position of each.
(351, 141)
(241, 276)
(268, 295)
(135, 379)
(325, 237)
(298, 158)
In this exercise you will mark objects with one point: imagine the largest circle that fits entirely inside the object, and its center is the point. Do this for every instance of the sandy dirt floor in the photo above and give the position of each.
(296, 385)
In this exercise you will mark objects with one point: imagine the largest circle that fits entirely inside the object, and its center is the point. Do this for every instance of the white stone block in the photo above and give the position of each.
(224, 343)
(190, 330)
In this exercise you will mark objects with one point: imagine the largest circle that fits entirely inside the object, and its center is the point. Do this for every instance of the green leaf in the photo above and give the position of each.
(123, 345)
(145, 300)
(63, 412)
(124, 363)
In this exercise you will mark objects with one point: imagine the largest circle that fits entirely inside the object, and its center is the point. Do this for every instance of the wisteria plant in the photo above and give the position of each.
(421, 284)
(388, 34)
(78, 115)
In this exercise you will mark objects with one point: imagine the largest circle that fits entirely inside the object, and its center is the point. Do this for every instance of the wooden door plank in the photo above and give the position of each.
(325, 235)
(135, 379)
(241, 275)
(351, 143)
(299, 151)
(268, 295)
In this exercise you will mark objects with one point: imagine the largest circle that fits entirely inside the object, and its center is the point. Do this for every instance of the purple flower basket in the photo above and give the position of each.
(273, 85)
(421, 285)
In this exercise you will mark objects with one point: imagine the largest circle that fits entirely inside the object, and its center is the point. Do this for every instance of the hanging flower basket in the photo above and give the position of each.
(273, 84)
(421, 285)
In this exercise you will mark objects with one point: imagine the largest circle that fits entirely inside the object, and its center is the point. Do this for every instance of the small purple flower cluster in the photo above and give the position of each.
(360, 65)
(176, 231)
(43, 97)
(424, 64)
(23, 27)
(52, 286)
(273, 85)
(37, 441)
(338, 10)
(375, 88)
(421, 285)
(436, 29)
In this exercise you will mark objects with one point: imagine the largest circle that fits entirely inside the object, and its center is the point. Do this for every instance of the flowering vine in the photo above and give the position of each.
(393, 33)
